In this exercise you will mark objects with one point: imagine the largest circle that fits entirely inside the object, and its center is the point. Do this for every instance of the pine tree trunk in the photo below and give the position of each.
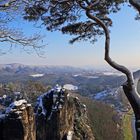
(135, 103)
(135, 4)
(129, 87)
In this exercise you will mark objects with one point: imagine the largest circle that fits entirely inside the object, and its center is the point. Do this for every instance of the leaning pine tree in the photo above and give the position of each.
(87, 19)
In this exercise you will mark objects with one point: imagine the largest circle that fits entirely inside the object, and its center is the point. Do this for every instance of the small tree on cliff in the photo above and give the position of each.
(87, 19)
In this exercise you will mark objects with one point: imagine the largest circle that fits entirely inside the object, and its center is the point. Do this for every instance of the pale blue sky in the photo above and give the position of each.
(125, 45)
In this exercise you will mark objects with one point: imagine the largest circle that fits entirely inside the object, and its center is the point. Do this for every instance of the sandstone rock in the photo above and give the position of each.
(57, 116)
(18, 123)
(70, 122)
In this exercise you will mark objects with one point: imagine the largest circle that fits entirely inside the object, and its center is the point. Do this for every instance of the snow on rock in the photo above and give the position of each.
(16, 104)
(57, 88)
(77, 98)
(50, 101)
(4, 96)
(41, 100)
(20, 102)
(18, 117)
(70, 114)
(84, 106)
(70, 134)
(40, 104)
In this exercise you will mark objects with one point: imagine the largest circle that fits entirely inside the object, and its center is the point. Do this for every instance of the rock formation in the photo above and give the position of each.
(58, 115)
(18, 122)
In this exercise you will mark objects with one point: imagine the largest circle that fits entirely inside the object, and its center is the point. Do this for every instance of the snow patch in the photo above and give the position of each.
(92, 77)
(57, 88)
(4, 96)
(41, 104)
(76, 98)
(70, 87)
(84, 106)
(103, 94)
(70, 134)
(112, 73)
(15, 104)
(37, 75)
(76, 75)
(20, 102)
(100, 95)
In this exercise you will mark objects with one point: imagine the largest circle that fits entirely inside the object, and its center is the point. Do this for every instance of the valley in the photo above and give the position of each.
(100, 90)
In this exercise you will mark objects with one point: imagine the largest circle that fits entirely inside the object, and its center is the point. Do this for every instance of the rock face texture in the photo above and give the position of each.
(60, 116)
(82, 130)
(18, 122)
(57, 116)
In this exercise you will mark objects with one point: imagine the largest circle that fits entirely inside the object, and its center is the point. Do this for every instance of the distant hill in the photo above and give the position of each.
(136, 74)
(16, 68)
(88, 81)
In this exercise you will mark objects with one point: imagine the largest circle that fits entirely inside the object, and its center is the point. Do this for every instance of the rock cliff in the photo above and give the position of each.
(58, 115)
(18, 122)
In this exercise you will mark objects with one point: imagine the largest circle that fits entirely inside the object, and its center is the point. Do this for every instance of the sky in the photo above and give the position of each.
(125, 45)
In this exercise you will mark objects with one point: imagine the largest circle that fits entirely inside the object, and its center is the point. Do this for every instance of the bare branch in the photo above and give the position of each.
(14, 37)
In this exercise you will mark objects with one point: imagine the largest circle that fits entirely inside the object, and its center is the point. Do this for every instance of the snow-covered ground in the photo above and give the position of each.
(103, 94)
(76, 75)
(37, 75)
(100, 95)
(91, 77)
(70, 87)
(86, 76)
(112, 73)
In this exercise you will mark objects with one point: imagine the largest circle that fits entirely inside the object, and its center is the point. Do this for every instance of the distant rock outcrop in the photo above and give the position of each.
(58, 116)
